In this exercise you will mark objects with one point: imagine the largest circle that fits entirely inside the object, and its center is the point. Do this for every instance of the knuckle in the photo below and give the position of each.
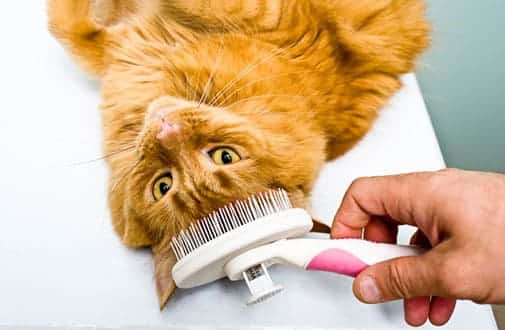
(358, 183)
(357, 187)
(362, 185)
(399, 284)
(438, 181)
(445, 177)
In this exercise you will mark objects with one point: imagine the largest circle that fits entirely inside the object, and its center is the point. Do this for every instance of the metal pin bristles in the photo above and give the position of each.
(228, 218)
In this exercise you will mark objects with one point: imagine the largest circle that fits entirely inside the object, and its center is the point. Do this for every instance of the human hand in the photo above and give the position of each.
(460, 214)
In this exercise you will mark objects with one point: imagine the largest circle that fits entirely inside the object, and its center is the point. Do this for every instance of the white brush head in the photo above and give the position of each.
(207, 245)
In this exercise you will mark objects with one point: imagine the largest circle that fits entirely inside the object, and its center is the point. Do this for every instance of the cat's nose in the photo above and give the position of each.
(167, 130)
(167, 127)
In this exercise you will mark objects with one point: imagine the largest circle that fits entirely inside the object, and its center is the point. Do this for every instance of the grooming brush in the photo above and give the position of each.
(242, 239)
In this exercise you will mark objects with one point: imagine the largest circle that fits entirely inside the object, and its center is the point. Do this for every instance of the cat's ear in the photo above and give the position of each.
(319, 226)
(385, 35)
(164, 260)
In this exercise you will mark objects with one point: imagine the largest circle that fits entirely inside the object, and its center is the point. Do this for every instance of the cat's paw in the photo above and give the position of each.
(320, 226)
(112, 12)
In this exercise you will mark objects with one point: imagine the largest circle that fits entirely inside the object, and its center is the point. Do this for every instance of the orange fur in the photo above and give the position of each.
(286, 84)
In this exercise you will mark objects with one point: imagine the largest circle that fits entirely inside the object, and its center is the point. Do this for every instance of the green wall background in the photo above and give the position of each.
(463, 81)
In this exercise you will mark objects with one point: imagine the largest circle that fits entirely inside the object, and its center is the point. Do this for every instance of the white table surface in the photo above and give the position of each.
(61, 265)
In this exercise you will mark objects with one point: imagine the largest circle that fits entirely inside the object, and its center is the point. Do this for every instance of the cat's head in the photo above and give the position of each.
(190, 159)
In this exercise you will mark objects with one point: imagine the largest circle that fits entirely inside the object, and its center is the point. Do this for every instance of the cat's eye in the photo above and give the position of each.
(162, 186)
(224, 156)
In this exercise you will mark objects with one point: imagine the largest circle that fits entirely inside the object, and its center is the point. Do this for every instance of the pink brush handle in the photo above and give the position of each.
(351, 257)
(337, 261)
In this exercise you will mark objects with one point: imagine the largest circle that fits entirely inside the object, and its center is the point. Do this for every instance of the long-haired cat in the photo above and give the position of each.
(209, 101)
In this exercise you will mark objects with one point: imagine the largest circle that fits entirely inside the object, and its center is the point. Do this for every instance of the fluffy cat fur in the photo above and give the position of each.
(287, 84)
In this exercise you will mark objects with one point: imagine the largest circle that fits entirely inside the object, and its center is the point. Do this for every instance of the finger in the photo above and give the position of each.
(407, 277)
(342, 230)
(403, 198)
(416, 311)
(441, 310)
(381, 231)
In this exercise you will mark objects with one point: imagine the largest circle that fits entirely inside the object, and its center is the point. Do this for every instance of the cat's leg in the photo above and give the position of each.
(223, 15)
(385, 35)
(378, 40)
(86, 27)
(110, 12)
(320, 226)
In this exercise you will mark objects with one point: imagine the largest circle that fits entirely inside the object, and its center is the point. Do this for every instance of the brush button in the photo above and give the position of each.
(260, 284)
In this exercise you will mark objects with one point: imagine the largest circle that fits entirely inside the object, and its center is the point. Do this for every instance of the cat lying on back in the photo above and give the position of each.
(206, 102)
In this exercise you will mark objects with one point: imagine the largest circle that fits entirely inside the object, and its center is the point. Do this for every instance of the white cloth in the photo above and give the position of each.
(61, 265)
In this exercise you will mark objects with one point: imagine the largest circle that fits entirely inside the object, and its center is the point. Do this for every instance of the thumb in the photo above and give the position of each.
(407, 277)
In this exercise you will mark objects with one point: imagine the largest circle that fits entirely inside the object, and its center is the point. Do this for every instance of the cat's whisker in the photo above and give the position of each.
(196, 86)
(336, 85)
(248, 69)
(103, 158)
(188, 89)
(206, 89)
(270, 96)
(242, 74)
(125, 175)
(236, 91)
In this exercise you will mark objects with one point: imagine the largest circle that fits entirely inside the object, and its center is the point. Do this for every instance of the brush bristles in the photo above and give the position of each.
(228, 218)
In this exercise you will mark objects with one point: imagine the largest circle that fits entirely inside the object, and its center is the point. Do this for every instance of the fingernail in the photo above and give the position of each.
(369, 290)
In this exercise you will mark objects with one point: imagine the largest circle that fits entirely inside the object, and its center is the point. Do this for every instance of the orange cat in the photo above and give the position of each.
(205, 102)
